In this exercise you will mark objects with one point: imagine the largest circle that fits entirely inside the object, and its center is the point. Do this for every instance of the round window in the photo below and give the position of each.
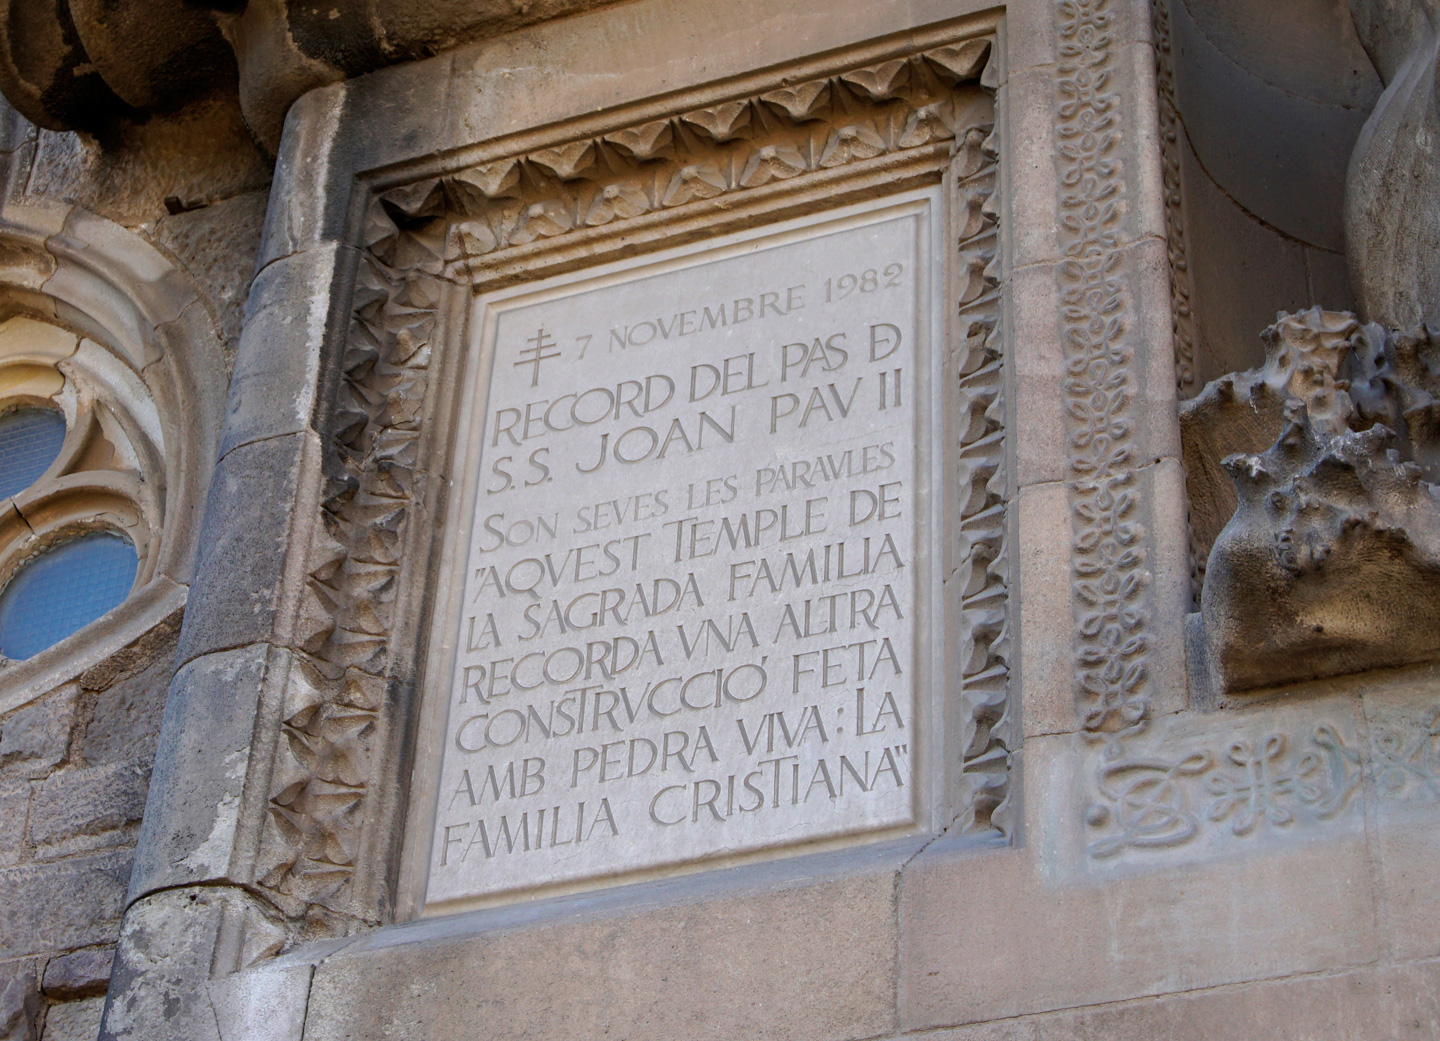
(30, 439)
(63, 590)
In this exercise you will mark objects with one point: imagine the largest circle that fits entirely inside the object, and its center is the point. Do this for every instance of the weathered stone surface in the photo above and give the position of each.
(1241, 273)
(246, 539)
(153, 160)
(20, 1006)
(217, 244)
(1280, 152)
(51, 907)
(1306, 47)
(1389, 1004)
(80, 974)
(266, 1003)
(34, 738)
(125, 714)
(14, 809)
(277, 367)
(747, 953)
(74, 1020)
(170, 944)
(1042, 399)
(192, 828)
(86, 809)
(1122, 929)
(1033, 137)
(1392, 229)
(1402, 714)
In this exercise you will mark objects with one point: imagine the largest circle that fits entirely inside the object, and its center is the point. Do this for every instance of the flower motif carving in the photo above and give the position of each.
(1109, 555)
(1170, 145)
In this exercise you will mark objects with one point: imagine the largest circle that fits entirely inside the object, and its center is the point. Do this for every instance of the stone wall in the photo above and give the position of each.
(75, 760)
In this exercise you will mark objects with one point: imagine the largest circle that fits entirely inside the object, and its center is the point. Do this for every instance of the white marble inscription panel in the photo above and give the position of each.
(697, 565)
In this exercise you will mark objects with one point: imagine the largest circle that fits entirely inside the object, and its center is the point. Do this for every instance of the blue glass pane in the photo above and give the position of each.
(30, 440)
(64, 589)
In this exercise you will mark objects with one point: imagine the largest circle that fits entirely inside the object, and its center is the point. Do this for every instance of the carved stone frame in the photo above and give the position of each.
(563, 197)
(312, 606)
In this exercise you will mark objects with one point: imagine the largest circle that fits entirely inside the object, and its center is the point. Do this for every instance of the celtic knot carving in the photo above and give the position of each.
(1154, 799)
(1407, 764)
(1109, 554)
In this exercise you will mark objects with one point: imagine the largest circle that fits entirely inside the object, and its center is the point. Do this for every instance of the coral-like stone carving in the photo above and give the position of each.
(1330, 562)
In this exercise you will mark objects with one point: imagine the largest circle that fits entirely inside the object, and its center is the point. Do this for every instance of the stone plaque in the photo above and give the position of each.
(692, 597)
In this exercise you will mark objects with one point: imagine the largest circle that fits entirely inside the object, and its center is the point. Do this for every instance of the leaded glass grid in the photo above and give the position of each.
(30, 439)
(63, 590)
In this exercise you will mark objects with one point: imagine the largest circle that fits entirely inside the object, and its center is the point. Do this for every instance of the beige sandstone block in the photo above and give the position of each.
(1037, 434)
(764, 952)
(1046, 649)
(992, 935)
(1391, 1004)
(1039, 346)
(1402, 712)
(506, 84)
(1035, 135)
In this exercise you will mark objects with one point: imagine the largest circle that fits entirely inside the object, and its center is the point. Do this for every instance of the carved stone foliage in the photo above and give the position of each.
(988, 733)
(1170, 131)
(1109, 555)
(1330, 562)
(865, 118)
(324, 852)
(331, 731)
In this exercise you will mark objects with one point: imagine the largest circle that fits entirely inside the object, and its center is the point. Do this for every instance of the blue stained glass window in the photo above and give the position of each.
(64, 589)
(30, 439)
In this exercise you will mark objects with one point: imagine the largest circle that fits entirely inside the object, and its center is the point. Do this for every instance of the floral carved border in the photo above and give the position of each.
(476, 226)
(1109, 555)
(1170, 134)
